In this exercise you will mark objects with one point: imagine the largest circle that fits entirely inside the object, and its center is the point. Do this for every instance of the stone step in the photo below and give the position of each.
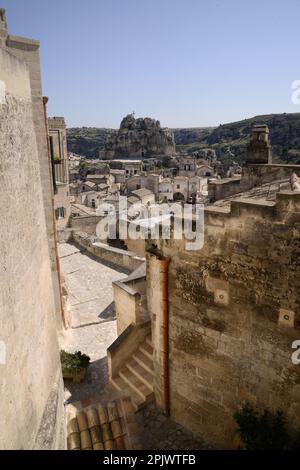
(141, 373)
(139, 387)
(120, 385)
(147, 350)
(149, 341)
(143, 360)
(144, 315)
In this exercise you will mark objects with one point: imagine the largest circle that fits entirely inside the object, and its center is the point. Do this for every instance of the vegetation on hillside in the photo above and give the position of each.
(229, 140)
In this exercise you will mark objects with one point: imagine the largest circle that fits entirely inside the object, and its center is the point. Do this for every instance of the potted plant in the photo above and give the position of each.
(74, 365)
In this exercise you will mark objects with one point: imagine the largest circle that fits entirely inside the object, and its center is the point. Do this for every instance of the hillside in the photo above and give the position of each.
(284, 136)
(87, 140)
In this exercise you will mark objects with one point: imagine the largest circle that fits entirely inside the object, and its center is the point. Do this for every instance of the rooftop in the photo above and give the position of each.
(142, 192)
(98, 424)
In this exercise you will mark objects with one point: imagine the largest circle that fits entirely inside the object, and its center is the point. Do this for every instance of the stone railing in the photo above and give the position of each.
(117, 257)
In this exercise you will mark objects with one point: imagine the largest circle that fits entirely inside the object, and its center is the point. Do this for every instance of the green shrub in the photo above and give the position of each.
(71, 363)
(264, 431)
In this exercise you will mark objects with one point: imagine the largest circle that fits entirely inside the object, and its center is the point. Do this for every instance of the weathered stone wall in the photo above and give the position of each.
(58, 145)
(130, 299)
(30, 378)
(234, 312)
(87, 224)
(253, 175)
(127, 302)
(27, 51)
(117, 257)
(121, 350)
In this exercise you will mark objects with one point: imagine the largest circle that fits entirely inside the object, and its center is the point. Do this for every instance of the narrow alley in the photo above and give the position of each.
(93, 326)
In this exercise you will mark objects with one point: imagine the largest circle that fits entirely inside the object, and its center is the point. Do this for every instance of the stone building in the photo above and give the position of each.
(165, 191)
(142, 137)
(31, 313)
(222, 319)
(187, 166)
(258, 170)
(180, 188)
(60, 170)
(233, 308)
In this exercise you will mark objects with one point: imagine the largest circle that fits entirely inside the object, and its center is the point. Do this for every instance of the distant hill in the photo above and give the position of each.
(226, 139)
(87, 140)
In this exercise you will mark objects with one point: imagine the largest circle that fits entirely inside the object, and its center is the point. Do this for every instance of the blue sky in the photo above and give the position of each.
(187, 63)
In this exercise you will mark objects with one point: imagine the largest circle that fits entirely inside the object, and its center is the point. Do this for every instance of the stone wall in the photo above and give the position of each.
(130, 299)
(234, 312)
(60, 164)
(30, 378)
(27, 51)
(87, 224)
(117, 257)
(253, 175)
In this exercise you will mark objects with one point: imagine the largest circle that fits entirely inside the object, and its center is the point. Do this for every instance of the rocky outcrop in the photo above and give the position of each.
(142, 137)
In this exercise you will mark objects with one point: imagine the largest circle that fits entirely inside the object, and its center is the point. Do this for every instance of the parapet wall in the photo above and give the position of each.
(252, 176)
(234, 313)
(120, 258)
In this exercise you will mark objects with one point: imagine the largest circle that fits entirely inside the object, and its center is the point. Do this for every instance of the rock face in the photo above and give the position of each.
(142, 137)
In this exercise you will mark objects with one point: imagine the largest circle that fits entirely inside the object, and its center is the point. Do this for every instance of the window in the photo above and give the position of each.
(178, 186)
(93, 203)
(60, 213)
(138, 186)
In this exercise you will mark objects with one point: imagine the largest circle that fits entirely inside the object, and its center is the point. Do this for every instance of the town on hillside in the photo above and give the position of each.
(150, 286)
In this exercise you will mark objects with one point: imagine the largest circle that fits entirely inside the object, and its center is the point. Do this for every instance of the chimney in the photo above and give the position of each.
(3, 28)
(259, 148)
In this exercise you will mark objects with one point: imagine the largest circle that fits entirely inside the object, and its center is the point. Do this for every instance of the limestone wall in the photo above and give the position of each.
(117, 257)
(86, 223)
(253, 175)
(234, 312)
(30, 378)
(27, 51)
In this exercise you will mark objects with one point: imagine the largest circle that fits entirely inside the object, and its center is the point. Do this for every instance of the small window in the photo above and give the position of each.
(178, 186)
(60, 213)
(93, 203)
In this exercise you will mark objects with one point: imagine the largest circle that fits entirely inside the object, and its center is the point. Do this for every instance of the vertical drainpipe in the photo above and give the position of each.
(45, 101)
(164, 269)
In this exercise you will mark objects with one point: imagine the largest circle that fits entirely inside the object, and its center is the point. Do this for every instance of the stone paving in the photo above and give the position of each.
(93, 330)
(161, 433)
(93, 316)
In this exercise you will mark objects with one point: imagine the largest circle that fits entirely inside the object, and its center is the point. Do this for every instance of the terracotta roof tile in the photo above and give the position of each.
(102, 425)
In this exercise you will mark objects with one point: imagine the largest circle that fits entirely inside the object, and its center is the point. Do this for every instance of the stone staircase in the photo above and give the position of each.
(136, 376)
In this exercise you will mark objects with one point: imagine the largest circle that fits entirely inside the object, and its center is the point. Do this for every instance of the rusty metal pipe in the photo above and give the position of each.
(164, 270)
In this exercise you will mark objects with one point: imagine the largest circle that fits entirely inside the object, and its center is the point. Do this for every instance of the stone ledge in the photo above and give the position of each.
(19, 42)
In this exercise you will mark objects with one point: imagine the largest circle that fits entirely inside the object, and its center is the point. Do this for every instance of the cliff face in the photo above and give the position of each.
(142, 137)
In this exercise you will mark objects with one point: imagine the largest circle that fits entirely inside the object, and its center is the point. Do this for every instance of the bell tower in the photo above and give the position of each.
(259, 148)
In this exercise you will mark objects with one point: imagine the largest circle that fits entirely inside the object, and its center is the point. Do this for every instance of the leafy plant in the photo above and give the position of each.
(72, 363)
(263, 431)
